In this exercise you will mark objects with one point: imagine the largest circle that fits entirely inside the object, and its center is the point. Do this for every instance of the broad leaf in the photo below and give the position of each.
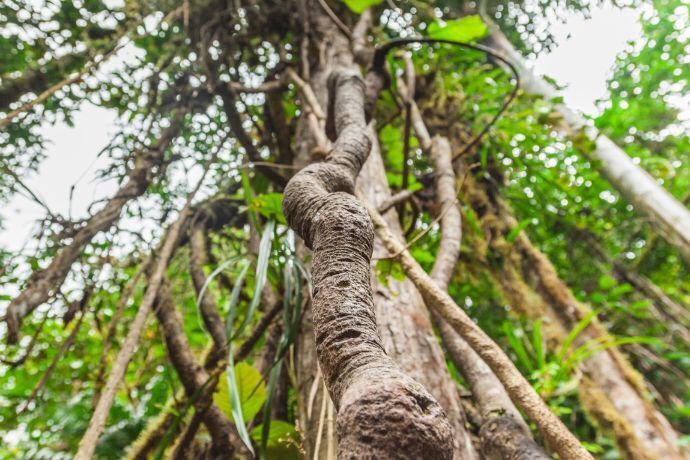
(269, 205)
(251, 390)
(467, 29)
(358, 6)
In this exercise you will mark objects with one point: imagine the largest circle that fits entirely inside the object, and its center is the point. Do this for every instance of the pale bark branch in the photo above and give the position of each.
(521, 392)
(668, 215)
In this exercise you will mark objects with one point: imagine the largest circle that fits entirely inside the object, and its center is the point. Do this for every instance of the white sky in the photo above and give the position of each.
(587, 49)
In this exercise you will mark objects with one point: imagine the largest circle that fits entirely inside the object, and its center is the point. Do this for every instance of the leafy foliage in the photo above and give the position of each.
(555, 192)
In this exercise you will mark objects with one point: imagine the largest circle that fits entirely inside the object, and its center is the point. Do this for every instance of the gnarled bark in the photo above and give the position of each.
(381, 411)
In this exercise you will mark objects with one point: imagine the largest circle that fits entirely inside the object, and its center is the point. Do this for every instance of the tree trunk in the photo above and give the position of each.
(403, 320)
(381, 411)
(612, 392)
(668, 215)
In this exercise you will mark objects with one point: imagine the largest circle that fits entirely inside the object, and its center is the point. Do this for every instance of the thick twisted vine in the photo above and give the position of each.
(381, 411)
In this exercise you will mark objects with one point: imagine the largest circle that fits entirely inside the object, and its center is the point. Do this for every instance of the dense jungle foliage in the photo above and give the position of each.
(158, 64)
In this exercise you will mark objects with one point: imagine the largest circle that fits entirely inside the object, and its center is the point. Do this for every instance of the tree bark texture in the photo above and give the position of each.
(557, 435)
(381, 411)
(403, 320)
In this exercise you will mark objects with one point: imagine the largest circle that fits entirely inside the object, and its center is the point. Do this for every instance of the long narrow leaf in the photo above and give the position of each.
(231, 378)
(579, 327)
(236, 404)
(538, 344)
(234, 299)
(518, 347)
(265, 247)
(215, 273)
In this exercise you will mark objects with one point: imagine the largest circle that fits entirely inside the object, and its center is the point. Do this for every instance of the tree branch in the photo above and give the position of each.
(521, 392)
(42, 283)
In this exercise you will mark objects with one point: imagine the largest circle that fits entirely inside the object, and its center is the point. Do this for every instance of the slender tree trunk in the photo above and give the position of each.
(198, 384)
(668, 215)
(504, 433)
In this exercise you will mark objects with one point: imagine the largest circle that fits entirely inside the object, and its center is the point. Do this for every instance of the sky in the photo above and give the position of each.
(585, 53)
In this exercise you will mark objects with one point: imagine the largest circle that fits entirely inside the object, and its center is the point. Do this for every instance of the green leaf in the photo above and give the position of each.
(579, 327)
(466, 29)
(606, 282)
(269, 205)
(388, 267)
(517, 345)
(282, 441)
(358, 6)
(251, 392)
(515, 231)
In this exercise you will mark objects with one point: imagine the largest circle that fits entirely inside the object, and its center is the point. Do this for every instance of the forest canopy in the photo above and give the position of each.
(352, 229)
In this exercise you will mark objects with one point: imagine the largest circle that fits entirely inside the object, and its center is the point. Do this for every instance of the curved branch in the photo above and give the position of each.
(377, 78)
(364, 383)
(192, 375)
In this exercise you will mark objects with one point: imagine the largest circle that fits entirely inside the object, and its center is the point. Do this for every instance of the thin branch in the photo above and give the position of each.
(559, 438)
(6, 170)
(243, 351)
(336, 20)
(87, 445)
(58, 86)
(316, 117)
(400, 197)
(42, 283)
(436, 220)
(112, 329)
(377, 75)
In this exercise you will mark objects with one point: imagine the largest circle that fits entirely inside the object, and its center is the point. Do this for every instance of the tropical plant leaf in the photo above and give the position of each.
(465, 29)
(240, 394)
(358, 6)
